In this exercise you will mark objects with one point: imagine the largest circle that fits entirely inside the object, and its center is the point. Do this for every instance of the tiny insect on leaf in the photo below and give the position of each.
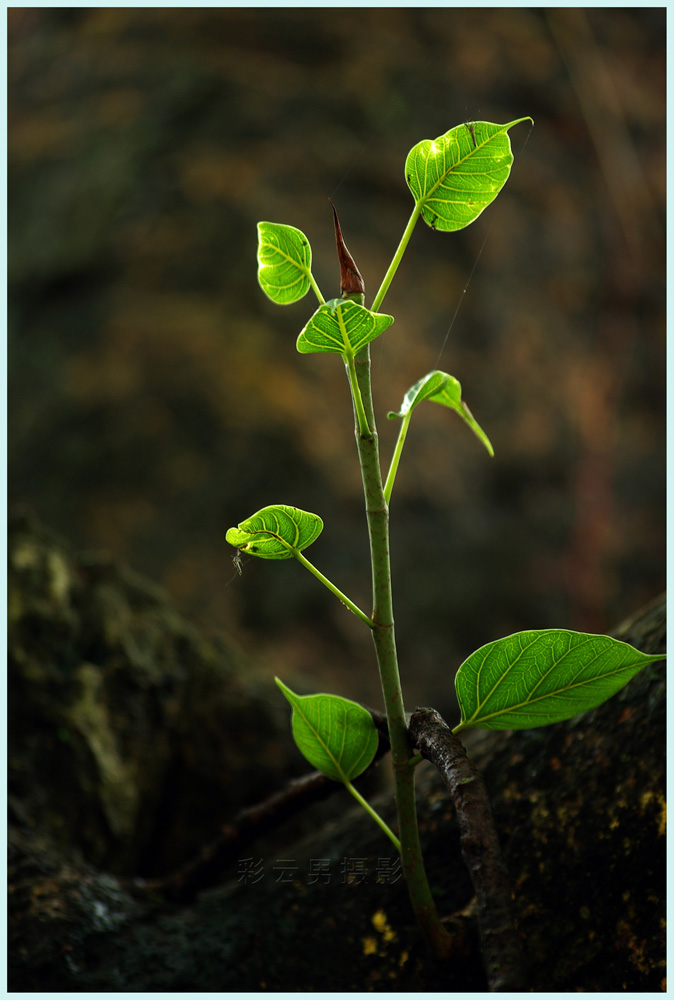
(275, 532)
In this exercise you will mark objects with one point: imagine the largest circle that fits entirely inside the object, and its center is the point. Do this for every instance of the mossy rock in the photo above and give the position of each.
(132, 737)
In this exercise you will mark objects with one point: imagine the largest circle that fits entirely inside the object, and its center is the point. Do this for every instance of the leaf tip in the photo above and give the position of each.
(286, 690)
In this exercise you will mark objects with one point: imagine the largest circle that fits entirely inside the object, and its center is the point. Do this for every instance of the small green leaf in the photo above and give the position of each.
(454, 177)
(336, 735)
(425, 388)
(444, 389)
(284, 262)
(534, 678)
(341, 326)
(450, 395)
(276, 532)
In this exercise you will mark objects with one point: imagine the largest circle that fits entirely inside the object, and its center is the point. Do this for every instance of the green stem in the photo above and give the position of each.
(316, 289)
(383, 634)
(327, 583)
(375, 815)
(402, 434)
(397, 257)
(363, 426)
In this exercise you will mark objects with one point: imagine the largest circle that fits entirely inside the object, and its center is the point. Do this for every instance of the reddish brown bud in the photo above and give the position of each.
(351, 279)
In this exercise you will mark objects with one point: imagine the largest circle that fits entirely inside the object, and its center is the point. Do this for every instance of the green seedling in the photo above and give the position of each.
(530, 679)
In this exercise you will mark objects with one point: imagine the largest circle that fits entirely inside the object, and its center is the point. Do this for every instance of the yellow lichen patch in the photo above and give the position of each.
(369, 946)
(650, 796)
(403, 958)
(377, 946)
(382, 925)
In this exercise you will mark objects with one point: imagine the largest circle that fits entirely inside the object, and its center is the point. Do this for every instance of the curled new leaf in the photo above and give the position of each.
(276, 532)
(341, 326)
(454, 177)
(444, 389)
(425, 388)
(284, 262)
(449, 395)
(336, 735)
(534, 678)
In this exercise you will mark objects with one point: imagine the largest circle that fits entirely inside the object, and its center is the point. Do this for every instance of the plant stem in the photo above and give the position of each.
(316, 289)
(375, 815)
(357, 398)
(397, 257)
(327, 583)
(402, 434)
(383, 634)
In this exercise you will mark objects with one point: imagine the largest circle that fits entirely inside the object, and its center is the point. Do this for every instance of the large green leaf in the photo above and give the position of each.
(444, 389)
(336, 735)
(341, 326)
(454, 177)
(533, 678)
(276, 532)
(284, 262)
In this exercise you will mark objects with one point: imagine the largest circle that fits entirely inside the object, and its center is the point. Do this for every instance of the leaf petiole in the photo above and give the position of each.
(331, 587)
(395, 460)
(375, 815)
(316, 289)
(397, 257)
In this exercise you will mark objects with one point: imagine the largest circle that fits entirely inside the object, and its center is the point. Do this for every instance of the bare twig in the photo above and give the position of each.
(206, 869)
(479, 847)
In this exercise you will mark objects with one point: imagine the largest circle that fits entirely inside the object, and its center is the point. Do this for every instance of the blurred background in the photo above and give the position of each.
(156, 397)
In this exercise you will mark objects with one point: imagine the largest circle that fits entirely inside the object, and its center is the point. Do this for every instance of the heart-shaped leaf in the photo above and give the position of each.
(341, 326)
(336, 735)
(284, 262)
(454, 177)
(530, 679)
(444, 389)
(276, 532)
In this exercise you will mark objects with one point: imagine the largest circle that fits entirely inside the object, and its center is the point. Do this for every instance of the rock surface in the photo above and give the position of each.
(130, 731)
(104, 708)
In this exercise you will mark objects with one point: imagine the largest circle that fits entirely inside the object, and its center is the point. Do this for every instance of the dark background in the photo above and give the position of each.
(156, 397)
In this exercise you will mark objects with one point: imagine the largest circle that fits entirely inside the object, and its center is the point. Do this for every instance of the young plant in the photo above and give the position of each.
(525, 680)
